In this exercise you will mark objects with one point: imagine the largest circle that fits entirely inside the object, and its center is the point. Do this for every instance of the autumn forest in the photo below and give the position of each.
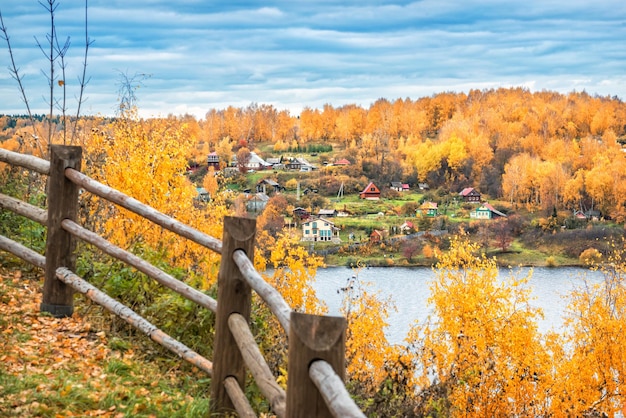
(481, 353)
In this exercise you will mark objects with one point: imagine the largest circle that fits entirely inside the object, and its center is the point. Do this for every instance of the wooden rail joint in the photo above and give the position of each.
(311, 338)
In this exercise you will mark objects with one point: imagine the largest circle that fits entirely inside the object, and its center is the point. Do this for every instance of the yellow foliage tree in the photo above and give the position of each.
(210, 183)
(146, 159)
(367, 348)
(481, 346)
(592, 372)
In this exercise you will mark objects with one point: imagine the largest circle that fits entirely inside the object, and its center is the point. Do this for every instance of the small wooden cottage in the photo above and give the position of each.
(213, 160)
(327, 213)
(378, 235)
(269, 186)
(469, 194)
(301, 213)
(371, 192)
(429, 209)
(341, 162)
(486, 211)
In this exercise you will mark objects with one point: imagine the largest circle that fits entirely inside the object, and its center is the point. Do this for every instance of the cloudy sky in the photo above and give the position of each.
(194, 55)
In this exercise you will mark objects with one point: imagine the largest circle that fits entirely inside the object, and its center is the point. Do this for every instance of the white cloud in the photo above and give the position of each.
(295, 54)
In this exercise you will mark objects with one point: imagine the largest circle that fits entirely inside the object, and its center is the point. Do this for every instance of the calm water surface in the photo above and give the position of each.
(408, 288)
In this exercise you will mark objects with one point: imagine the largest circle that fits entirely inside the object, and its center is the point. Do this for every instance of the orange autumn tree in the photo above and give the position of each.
(147, 160)
(368, 352)
(591, 364)
(293, 274)
(480, 353)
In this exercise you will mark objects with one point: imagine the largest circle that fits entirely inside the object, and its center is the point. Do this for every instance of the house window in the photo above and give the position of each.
(371, 189)
(307, 232)
(314, 225)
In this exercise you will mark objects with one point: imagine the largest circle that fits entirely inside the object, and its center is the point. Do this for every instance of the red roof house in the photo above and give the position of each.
(342, 161)
(470, 194)
(370, 192)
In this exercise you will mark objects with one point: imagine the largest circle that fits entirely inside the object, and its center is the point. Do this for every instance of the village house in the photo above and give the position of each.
(299, 164)
(486, 211)
(320, 229)
(407, 227)
(327, 213)
(213, 161)
(257, 202)
(371, 192)
(203, 195)
(301, 213)
(396, 185)
(429, 209)
(269, 186)
(257, 163)
(399, 186)
(579, 215)
(378, 235)
(276, 162)
(469, 194)
(341, 162)
(423, 186)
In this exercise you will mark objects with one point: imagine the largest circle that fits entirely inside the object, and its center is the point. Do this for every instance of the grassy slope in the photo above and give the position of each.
(68, 367)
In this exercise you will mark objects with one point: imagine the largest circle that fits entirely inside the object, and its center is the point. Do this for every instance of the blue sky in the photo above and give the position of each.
(291, 54)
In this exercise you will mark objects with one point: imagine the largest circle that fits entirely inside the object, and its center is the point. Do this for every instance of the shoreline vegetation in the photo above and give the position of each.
(549, 250)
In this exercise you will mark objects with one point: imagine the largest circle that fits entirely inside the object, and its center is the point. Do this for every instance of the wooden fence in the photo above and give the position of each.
(316, 343)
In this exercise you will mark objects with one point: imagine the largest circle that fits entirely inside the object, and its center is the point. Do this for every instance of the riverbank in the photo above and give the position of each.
(538, 252)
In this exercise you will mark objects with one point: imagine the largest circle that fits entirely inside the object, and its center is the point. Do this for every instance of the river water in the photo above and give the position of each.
(409, 290)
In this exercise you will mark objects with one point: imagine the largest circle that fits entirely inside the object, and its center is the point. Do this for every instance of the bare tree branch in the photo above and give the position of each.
(82, 80)
(15, 74)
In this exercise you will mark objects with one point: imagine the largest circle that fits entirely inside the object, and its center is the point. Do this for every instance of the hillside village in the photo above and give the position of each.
(538, 174)
(391, 215)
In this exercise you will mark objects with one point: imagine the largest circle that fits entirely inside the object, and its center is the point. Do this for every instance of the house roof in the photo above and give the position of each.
(255, 159)
(323, 212)
(429, 205)
(342, 161)
(304, 162)
(397, 184)
(319, 218)
(494, 210)
(467, 191)
(259, 197)
(269, 182)
(369, 186)
(408, 224)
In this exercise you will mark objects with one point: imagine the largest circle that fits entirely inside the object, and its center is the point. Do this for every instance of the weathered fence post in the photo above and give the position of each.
(58, 298)
(234, 295)
(312, 337)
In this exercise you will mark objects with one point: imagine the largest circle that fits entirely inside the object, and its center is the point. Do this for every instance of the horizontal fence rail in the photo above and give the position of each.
(22, 252)
(143, 266)
(30, 162)
(316, 343)
(144, 210)
(130, 316)
(25, 209)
